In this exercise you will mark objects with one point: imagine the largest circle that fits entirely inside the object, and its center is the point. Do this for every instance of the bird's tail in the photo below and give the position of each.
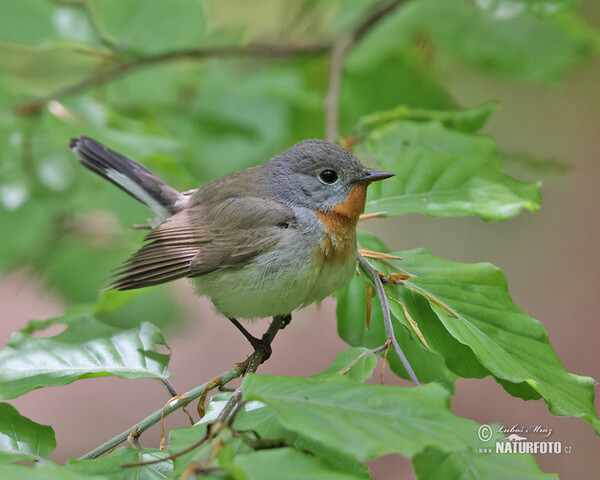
(130, 176)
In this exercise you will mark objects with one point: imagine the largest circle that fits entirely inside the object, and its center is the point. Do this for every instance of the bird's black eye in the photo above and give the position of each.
(328, 176)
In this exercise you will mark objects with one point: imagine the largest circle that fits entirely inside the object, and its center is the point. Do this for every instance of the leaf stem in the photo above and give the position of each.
(387, 319)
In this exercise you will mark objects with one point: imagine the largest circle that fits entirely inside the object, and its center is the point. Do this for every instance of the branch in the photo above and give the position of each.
(251, 51)
(387, 319)
(339, 50)
(250, 365)
(332, 97)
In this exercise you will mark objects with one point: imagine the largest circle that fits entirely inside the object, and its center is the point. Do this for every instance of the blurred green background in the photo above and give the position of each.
(190, 120)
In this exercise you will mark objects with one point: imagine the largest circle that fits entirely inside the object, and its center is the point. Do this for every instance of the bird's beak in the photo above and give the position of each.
(369, 176)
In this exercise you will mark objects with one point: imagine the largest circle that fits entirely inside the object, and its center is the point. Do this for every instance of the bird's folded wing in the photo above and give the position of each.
(198, 240)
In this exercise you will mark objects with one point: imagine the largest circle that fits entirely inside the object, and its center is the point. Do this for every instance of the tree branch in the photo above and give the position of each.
(339, 50)
(250, 365)
(332, 97)
(251, 51)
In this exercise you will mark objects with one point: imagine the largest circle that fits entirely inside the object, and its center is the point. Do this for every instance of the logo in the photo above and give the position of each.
(516, 442)
(485, 433)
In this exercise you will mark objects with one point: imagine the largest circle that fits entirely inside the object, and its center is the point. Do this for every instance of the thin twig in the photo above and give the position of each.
(156, 416)
(169, 386)
(332, 98)
(265, 51)
(249, 365)
(387, 319)
(339, 49)
(100, 78)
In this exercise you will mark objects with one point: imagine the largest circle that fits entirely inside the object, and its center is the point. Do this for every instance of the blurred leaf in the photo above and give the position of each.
(37, 70)
(152, 26)
(43, 471)
(502, 9)
(73, 314)
(400, 77)
(433, 464)
(22, 439)
(579, 28)
(25, 232)
(287, 463)
(504, 39)
(362, 420)
(127, 309)
(68, 261)
(112, 465)
(34, 25)
(356, 364)
(524, 166)
(512, 345)
(75, 22)
(87, 348)
(469, 120)
(441, 172)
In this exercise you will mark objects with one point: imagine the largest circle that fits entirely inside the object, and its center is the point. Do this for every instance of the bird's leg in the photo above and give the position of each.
(264, 342)
(257, 343)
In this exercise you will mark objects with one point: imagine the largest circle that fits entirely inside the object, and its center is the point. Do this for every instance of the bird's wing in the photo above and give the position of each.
(199, 240)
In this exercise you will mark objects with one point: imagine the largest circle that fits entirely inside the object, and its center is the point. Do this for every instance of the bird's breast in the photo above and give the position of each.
(339, 241)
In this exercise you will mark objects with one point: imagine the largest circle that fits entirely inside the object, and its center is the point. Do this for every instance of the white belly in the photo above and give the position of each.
(278, 282)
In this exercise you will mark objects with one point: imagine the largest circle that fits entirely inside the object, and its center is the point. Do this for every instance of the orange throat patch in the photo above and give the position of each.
(340, 224)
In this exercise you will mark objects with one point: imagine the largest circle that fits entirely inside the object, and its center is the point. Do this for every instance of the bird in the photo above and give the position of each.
(261, 242)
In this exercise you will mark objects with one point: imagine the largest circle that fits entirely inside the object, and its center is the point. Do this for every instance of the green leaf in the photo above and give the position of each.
(516, 41)
(356, 364)
(36, 70)
(445, 352)
(362, 420)
(289, 464)
(469, 120)
(441, 172)
(22, 439)
(34, 221)
(112, 465)
(579, 28)
(433, 464)
(87, 348)
(257, 417)
(182, 438)
(351, 317)
(510, 8)
(43, 471)
(34, 25)
(143, 25)
(473, 304)
(526, 167)
(127, 309)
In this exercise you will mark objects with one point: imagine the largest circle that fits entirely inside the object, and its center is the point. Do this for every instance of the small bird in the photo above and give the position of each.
(261, 242)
